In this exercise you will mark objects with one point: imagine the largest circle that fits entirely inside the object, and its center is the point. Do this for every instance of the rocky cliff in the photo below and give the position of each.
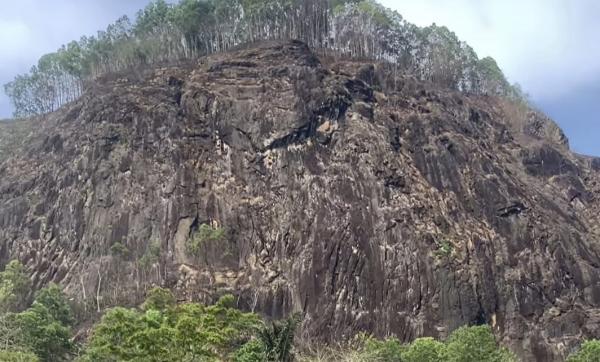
(362, 200)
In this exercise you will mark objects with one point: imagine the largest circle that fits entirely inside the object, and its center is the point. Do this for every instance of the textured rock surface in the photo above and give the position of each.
(363, 201)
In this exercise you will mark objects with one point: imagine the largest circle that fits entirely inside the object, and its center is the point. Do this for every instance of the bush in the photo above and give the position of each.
(444, 249)
(11, 336)
(467, 344)
(159, 299)
(14, 287)
(18, 356)
(424, 350)
(151, 256)
(588, 352)
(388, 350)
(252, 351)
(186, 332)
(205, 233)
(119, 250)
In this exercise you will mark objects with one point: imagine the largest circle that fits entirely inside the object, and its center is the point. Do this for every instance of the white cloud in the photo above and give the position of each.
(549, 46)
(15, 38)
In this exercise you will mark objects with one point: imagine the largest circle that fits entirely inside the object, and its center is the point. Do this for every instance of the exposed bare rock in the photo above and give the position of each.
(336, 186)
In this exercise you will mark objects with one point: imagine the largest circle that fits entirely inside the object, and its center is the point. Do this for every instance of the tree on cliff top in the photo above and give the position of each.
(165, 32)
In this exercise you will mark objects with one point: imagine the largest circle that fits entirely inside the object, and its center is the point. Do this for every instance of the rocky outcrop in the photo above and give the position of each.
(363, 201)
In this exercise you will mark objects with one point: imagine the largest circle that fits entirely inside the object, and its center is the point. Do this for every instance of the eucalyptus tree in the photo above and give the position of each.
(164, 32)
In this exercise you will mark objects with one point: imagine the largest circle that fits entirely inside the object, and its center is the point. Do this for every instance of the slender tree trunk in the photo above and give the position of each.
(98, 289)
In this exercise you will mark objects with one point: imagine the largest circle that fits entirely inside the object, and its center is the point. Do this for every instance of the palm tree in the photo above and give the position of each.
(278, 339)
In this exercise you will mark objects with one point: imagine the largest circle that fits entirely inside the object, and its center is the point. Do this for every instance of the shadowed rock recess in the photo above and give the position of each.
(363, 201)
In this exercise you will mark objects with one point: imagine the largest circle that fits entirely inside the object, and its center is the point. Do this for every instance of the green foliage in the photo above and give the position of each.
(588, 352)
(42, 329)
(477, 343)
(119, 250)
(491, 68)
(338, 5)
(14, 287)
(11, 336)
(159, 299)
(111, 339)
(252, 351)
(425, 350)
(18, 356)
(204, 234)
(164, 331)
(388, 350)
(186, 332)
(466, 344)
(492, 77)
(166, 31)
(44, 335)
(444, 249)
(151, 256)
(379, 13)
(152, 18)
(226, 301)
(56, 303)
(278, 339)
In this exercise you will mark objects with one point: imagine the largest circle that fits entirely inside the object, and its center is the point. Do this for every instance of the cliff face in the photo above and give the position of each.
(364, 201)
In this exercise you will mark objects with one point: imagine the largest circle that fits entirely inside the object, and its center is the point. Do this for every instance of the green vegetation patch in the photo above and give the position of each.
(171, 31)
(164, 331)
(466, 344)
(151, 256)
(444, 249)
(199, 238)
(588, 352)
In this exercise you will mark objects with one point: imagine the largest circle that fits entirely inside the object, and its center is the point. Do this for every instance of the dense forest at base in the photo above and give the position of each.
(41, 328)
(164, 32)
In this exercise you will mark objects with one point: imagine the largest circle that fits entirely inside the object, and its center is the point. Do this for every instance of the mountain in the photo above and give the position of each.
(365, 200)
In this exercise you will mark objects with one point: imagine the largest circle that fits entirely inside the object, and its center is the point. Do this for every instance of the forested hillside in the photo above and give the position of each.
(167, 33)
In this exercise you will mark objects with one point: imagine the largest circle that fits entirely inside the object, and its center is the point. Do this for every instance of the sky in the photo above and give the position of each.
(32, 28)
(550, 47)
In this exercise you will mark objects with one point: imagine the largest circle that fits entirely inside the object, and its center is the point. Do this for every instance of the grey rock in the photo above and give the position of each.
(335, 187)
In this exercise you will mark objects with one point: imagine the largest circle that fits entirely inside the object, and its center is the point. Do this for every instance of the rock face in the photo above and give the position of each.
(364, 201)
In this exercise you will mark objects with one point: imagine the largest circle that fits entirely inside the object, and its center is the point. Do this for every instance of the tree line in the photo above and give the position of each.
(164, 32)
(39, 327)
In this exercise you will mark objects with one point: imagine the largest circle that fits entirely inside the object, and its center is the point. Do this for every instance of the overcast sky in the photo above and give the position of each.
(550, 47)
(32, 28)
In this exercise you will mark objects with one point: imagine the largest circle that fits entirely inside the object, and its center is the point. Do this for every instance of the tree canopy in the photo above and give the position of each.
(40, 331)
(164, 32)
(14, 287)
(163, 330)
